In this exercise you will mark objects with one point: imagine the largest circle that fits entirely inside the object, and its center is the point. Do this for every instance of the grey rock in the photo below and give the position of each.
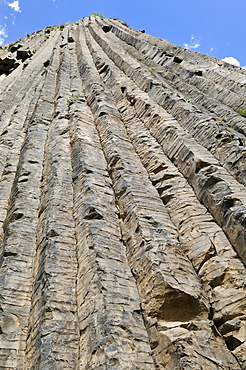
(122, 203)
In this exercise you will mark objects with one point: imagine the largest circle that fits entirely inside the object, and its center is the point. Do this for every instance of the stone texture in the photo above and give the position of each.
(122, 203)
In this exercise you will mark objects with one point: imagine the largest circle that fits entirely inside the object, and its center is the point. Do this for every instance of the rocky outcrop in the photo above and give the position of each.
(122, 203)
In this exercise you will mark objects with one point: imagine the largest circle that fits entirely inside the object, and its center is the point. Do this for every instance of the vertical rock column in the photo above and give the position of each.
(150, 236)
(122, 203)
(19, 238)
(112, 332)
(53, 329)
(226, 204)
(204, 242)
(170, 185)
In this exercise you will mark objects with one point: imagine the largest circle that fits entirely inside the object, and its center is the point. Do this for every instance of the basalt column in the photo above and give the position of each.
(122, 203)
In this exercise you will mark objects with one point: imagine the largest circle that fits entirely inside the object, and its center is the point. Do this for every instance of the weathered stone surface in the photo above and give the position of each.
(122, 203)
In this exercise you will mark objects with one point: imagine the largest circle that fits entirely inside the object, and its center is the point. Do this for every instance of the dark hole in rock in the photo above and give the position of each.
(165, 198)
(75, 177)
(9, 254)
(148, 217)
(131, 99)
(189, 156)
(241, 141)
(114, 159)
(63, 132)
(164, 188)
(218, 136)
(149, 86)
(123, 90)
(211, 313)
(226, 140)
(7, 66)
(217, 281)
(23, 54)
(17, 216)
(223, 137)
(47, 63)
(102, 114)
(159, 169)
(168, 176)
(198, 73)
(104, 69)
(201, 164)
(6, 172)
(228, 203)
(52, 233)
(173, 160)
(106, 28)
(14, 48)
(93, 214)
(70, 39)
(123, 109)
(177, 60)
(212, 180)
(229, 326)
(88, 171)
(232, 342)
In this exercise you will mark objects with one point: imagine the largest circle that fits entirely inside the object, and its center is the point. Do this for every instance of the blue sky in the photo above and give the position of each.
(213, 27)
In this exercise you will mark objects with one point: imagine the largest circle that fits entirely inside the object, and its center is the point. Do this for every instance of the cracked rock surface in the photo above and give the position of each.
(122, 203)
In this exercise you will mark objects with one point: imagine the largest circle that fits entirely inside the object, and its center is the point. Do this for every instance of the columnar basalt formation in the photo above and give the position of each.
(122, 203)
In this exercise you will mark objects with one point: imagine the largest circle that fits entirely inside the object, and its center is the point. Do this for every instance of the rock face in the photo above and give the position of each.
(122, 203)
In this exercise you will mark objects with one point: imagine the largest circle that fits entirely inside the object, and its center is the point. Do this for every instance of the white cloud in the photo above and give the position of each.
(193, 44)
(232, 60)
(15, 5)
(13, 18)
(3, 33)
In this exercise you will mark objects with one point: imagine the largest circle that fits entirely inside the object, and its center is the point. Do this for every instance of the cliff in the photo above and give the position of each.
(122, 203)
